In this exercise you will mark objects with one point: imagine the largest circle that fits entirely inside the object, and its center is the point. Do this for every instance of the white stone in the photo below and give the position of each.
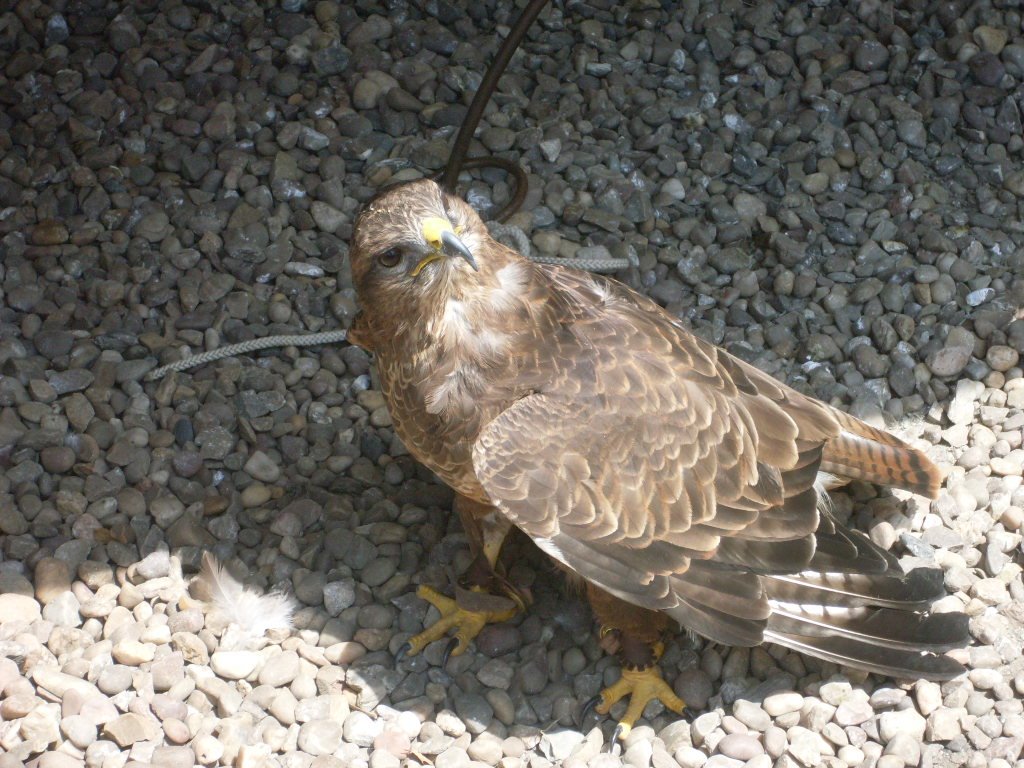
(907, 721)
(234, 665)
(559, 744)
(360, 729)
(59, 683)
(782, 703)
(19, 608)
(132, 653)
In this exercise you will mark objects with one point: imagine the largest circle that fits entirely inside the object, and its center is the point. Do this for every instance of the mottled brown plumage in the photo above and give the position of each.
(659, 469)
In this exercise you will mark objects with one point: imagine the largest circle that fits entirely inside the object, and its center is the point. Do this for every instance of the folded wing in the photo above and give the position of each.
(680, 479)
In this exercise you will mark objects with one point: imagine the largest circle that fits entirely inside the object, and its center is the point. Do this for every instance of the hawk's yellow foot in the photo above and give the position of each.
(467, 621)
(642, 686)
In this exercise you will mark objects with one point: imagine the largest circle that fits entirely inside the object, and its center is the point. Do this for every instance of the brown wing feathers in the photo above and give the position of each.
(692, 491)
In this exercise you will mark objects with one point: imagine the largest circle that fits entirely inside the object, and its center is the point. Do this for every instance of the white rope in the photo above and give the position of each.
(286, 340)
(506, 232)
(586, 265)
(521, 243)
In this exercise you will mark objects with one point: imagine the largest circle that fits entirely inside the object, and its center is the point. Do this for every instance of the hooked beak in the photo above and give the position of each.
(443, 241)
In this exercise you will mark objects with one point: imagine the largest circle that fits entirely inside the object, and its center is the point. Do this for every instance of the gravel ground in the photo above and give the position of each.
(830, 190)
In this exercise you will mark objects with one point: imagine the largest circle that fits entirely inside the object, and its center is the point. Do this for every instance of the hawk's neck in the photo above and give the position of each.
(475, 319)
(465, 352)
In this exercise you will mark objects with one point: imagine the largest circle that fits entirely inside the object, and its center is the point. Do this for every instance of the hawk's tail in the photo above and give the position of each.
(861, 452)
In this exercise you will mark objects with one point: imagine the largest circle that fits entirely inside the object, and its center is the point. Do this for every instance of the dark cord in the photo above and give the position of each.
(510, 167)
(457, 160)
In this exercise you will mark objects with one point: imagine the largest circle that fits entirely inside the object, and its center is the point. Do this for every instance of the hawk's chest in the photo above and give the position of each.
(449, 373)
(461, 351)
(437, 393)
(440, 395)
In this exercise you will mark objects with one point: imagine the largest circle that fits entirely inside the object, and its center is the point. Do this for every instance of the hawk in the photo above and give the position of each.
(676, 482)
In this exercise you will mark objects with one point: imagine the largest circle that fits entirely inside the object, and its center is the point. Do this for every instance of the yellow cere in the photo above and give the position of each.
(432, 229)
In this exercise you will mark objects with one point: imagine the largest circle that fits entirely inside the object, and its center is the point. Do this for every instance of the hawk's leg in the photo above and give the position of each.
(634, 635)
(482, 596)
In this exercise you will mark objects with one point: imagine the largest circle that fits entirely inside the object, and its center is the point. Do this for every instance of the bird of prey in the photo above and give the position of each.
(679, 484)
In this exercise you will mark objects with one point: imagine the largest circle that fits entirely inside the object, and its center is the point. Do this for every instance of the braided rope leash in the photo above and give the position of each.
(505, 231)
(508, 232)
(252, 345)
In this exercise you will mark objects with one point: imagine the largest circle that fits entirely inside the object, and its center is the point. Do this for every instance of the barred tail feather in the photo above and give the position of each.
(861, 452)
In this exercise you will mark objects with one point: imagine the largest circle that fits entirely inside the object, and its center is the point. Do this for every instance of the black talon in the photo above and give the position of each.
(448, 650)
(401, 652)
(616, 737)
(688, 714)
(588, 708)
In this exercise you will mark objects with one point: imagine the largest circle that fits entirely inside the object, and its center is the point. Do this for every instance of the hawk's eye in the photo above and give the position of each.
(390, 257)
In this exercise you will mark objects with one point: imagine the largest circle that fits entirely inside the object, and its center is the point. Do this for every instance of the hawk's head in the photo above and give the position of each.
(415, 239)
(425, 268)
